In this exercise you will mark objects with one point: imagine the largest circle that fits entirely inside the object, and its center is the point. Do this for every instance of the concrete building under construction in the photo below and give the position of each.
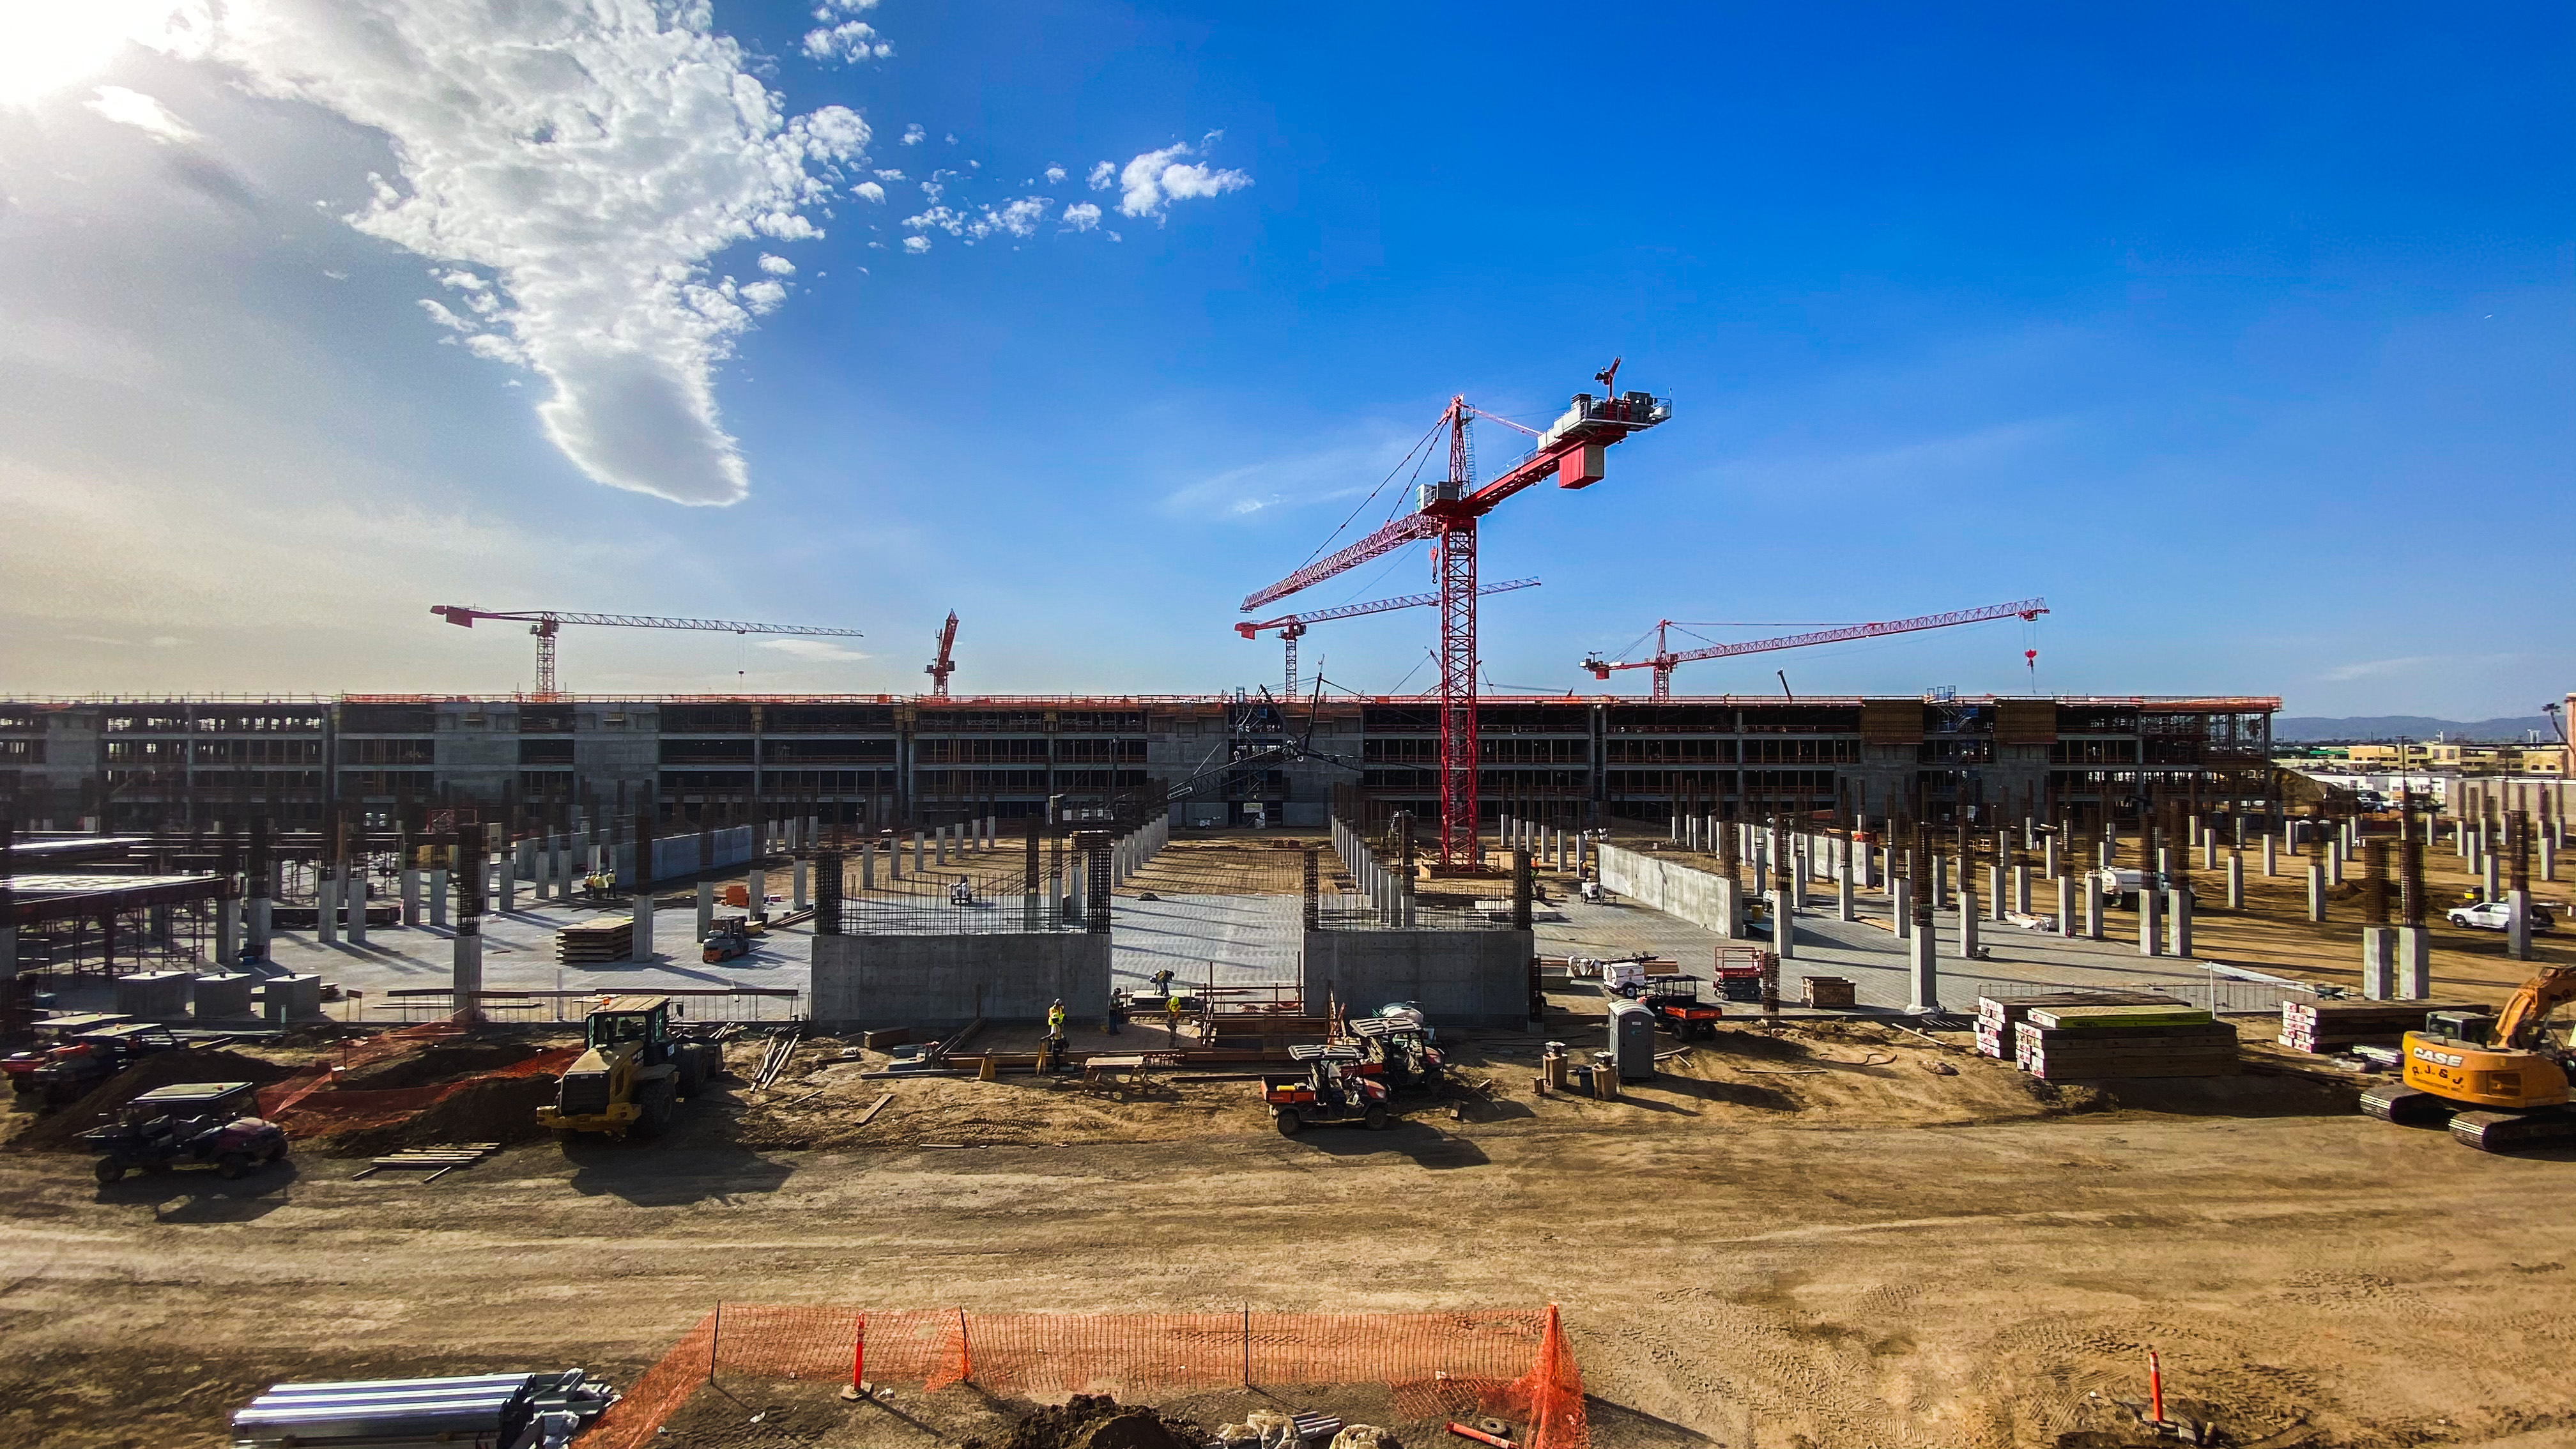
(887, 760)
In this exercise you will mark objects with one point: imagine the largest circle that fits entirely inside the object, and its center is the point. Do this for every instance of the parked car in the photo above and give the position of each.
(2498, 916)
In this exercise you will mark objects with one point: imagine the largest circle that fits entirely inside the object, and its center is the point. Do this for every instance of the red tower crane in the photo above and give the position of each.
(544, 623)
(943, 666)
(1292, 627)
(1663, 659)
(1570, 450)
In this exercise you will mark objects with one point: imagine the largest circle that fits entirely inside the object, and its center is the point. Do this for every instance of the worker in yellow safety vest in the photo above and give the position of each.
(1172, 1016)
(1055, 1019)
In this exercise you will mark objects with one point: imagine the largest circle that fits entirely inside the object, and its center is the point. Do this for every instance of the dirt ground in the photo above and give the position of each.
(1814, 1238)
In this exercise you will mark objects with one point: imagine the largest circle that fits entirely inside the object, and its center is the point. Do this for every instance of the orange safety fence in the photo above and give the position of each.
(1513, 1362)
(301, 1103)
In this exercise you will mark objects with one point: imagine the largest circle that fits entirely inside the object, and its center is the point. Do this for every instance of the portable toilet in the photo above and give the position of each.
(1632, 1040)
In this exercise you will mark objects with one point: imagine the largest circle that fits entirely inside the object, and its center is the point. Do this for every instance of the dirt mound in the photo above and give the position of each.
(499, 1109)
(443, 1062)
(60, 1132)
(1097, 1421)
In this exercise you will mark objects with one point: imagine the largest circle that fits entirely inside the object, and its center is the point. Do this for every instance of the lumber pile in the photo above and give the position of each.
(2060, 1042)
(599, 941)
(2339, 1026)
(1998, 1015)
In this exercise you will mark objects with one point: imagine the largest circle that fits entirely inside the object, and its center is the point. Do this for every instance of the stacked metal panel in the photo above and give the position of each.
(483, 1411)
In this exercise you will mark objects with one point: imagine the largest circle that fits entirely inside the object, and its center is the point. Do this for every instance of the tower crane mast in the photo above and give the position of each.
(943, 666)
(1446, 513)
(1664, 659)
(546, 623)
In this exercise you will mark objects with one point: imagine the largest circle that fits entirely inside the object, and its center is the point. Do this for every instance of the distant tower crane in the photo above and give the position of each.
(1663, 659)
(545, 623)
(1570, 450)
(943, 666)
(1292, 627)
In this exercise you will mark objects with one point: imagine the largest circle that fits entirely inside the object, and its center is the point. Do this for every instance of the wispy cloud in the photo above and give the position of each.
(142, 112)
(815, 651)
(1337, 474)
(1153, 180)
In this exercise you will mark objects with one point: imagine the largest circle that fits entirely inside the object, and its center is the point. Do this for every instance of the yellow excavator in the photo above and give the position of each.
(2498, 1081)
(632, 1072)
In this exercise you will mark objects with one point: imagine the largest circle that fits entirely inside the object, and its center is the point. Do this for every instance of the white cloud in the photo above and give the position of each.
(916, 244)
(764, 297)
(777, 266)
(890, 176)
(817, 651)
(588, 157)
(439, 314)
(869, 191)
(1082, 216)
(2367, 668)
(1103, 175)
(1015, 218)
(914, 135)
(847, 43)
(1055, 175)
(142, 112)
(1157, 178)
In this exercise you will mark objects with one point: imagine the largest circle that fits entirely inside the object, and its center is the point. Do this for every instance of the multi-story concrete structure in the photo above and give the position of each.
(890, 760)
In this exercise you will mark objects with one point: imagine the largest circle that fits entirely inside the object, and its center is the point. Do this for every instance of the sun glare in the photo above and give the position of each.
(47, 45)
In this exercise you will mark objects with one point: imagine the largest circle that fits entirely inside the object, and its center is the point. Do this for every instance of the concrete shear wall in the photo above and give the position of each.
(1703, 898)
(881, 981)
(1470, 978)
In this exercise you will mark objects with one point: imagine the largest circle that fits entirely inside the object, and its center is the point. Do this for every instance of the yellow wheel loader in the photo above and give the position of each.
(634, 1072)
(2499, 1082)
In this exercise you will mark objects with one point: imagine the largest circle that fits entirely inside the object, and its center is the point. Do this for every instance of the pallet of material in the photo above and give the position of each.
(2116, 1018)
(1998, 1015)
(2199, 1049)
(1829, 992)
(2334, 1026)
(599, 941)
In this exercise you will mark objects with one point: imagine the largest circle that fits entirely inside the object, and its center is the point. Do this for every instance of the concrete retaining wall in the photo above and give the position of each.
(1467, 978)
(880, 981)
(1704, 899)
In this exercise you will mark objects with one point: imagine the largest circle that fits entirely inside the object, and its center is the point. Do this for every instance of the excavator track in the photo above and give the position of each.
(2406, 1106)
(2513, 1131)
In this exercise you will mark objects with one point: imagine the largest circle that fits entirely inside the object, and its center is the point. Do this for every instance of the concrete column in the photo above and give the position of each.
(2414, 963)
(2517, 931)
(919, 862)
(2151, 940)
(326, 914)
(2092, 911)
(2378, 962)
(437, 901)
(228, 920)
(2066, 923)
(1843, 896)
(1924, 968)
(1800, 870)
(2334, 865)
(465, 974)
(410, 895)
(1730, 907)
(804, 885)
(867, 865)
(1904, 890)
(2271, 855)
(1673, 828)
(2021, 890)
(2048, 856)
(2549, 854)
(755, 891)
(894, 858)
(1967, 923)
(2316, 891)
(1783, 926)
(706, 908)
(2209, 850)
(2236, 880)
(354, 897)
(939, 844)
(506, 867)
(1995, 893)
(643, 952)
(2489, 877)
(2178, 908)
(1940, 880)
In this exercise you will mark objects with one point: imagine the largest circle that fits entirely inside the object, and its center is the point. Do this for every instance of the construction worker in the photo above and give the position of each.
(1172, 1016)
(1051, 1055)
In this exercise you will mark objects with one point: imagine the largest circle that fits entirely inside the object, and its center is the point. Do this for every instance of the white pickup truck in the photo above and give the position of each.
(2498, 916)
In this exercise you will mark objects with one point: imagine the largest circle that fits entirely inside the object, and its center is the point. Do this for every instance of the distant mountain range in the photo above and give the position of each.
(2412, 726)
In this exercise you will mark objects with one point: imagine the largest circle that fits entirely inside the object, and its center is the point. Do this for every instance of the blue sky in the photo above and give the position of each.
(2242, 336)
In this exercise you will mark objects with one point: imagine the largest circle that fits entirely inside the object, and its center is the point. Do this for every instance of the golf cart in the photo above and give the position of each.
(1398, 1047)
(1675, 1002)
(189, 1124)
(1331, 1090)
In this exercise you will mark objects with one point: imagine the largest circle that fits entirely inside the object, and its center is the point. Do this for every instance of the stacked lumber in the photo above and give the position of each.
(1829, 991)
(2123, 1041)
(599, 941)
(1998, 1015)
(2337, 1026)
